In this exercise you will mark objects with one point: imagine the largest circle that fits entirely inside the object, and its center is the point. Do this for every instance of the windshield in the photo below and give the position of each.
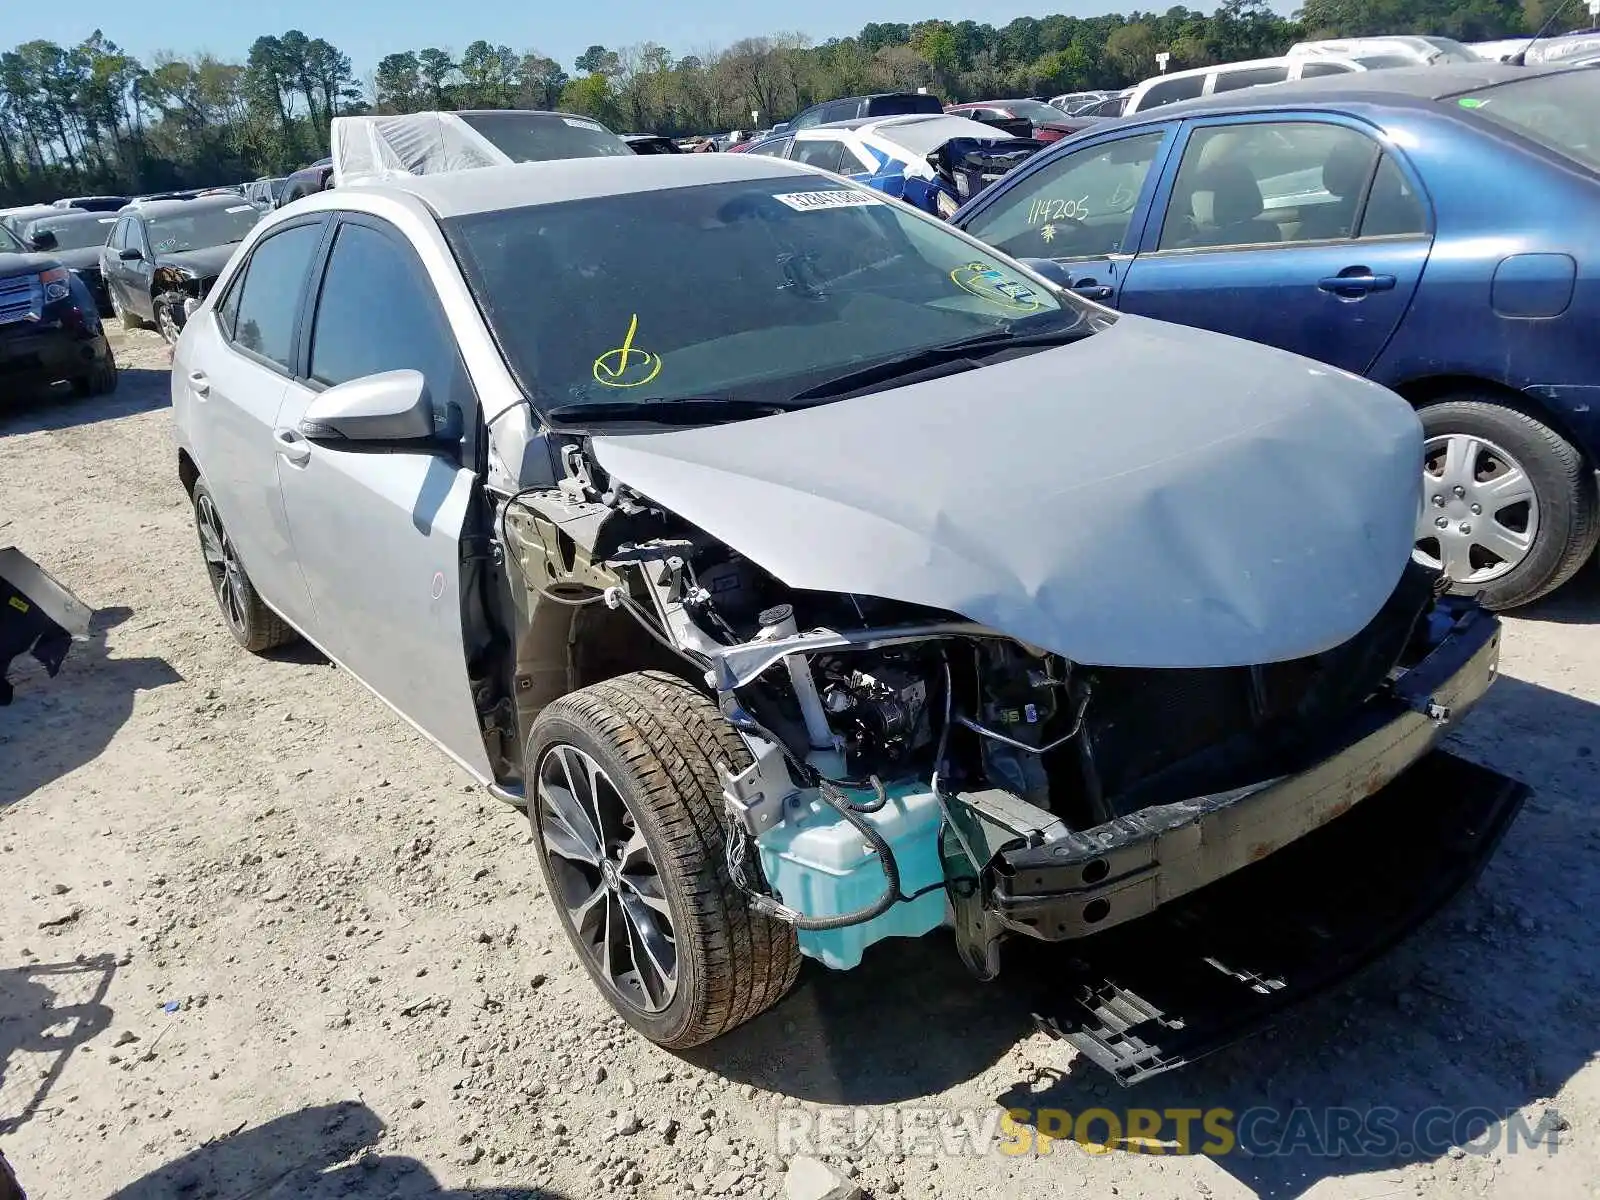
(80, 234)
(794, 280)
(1560, 112)
(196, 229)
(543, 137)
(1377, 62)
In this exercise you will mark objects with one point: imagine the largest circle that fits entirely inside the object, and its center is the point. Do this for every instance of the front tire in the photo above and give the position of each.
(1509, 507)
(253, 625)
(625, 803)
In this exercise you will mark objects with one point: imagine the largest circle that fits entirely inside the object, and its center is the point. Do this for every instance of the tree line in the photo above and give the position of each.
(91, 118)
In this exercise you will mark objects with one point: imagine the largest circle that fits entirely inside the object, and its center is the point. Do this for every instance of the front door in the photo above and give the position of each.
(1301, 234)
(1083, 208)
(378, 534)
(139, 274)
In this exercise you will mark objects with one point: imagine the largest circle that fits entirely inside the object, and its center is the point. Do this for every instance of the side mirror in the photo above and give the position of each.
(1055, 272)
(43, 240)
(392, 406)
(131, 254)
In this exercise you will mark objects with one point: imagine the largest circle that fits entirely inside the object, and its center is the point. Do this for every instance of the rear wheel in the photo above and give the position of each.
(253, 625)
(1509, 507)
(129, 320)
(625, 802)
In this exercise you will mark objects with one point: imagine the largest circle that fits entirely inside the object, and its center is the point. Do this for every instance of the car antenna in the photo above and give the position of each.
(1520, 58)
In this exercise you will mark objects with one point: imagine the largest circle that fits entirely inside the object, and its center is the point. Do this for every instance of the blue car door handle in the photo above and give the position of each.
(1092, 290)
(1357, 283)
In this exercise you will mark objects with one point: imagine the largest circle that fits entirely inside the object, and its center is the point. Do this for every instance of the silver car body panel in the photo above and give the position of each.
(1095, 500)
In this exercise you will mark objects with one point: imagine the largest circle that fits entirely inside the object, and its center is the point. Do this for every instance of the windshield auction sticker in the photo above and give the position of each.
(989, 283)
(627, 366)
(812, 201)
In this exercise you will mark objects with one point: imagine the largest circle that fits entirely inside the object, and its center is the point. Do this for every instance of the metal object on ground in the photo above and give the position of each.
(38, 616)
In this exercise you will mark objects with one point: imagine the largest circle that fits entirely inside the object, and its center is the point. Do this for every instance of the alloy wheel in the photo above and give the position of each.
(606, 878)
(1480, 512)
(166, 324)
(222, 564)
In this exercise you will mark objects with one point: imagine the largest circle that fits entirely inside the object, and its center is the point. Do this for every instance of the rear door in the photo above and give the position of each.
(1084, 207)
(233, 385)
(378, 535)
(1303, 232)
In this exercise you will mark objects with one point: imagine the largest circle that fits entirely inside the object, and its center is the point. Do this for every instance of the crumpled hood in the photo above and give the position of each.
(1153, 496)
(206, 262)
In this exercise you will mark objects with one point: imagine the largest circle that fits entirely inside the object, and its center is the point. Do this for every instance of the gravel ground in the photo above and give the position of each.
(259, 939)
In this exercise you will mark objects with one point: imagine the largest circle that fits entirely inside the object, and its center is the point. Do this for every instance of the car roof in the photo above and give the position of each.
(168, 208)
(1415, 86)
(524, 185)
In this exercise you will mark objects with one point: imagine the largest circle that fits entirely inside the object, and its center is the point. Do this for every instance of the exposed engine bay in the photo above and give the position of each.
(913, 769)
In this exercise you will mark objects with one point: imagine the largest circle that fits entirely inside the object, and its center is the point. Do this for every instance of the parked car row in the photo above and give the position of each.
(1378, 224)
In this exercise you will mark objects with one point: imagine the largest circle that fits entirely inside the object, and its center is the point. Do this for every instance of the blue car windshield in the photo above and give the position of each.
(792, 280)
(1560, 112)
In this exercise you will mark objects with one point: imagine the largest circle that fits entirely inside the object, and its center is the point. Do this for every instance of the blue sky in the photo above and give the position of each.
(368, 29)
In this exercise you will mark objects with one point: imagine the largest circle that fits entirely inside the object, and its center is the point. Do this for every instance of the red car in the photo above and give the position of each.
(1024, 118)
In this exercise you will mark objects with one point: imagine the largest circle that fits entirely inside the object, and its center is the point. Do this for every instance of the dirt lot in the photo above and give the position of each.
(259, 939)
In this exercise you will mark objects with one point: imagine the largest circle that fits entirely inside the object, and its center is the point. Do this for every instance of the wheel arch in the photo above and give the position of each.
(1432, 389)
(188, 472)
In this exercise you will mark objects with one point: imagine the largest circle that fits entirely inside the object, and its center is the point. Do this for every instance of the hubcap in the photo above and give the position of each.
(1480, 513)
(169, 327)
(605, 878)
(222, 564)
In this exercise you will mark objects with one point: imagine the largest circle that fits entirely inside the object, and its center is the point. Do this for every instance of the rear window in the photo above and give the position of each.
(1232, 81)
(1170, 91)
(543, 138)
(1560, 112)
(901, 106)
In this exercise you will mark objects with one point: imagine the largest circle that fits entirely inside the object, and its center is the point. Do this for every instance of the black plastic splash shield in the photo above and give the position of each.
(1222, 963)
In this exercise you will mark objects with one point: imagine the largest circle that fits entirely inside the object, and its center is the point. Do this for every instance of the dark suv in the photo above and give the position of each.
(851, 108)
(49, 330)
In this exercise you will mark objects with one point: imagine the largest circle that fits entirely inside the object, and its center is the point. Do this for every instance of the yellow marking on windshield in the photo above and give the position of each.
(989, 283)
(627, 366)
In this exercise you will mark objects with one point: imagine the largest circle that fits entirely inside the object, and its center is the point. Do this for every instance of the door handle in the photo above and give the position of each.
(199, 384)
(1091, 290)
(292, 447)
(1356, 282)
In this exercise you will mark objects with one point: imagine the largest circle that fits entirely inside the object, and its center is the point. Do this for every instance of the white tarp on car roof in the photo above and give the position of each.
(423, 143)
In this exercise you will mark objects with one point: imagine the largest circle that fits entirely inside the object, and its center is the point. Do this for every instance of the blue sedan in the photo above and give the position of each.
(1436, 229)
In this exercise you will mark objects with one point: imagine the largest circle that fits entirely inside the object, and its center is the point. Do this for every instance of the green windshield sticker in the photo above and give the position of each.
(1471, 102)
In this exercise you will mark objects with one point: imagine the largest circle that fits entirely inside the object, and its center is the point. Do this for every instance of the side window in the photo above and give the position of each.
(777, 148)
(269, 297)
(1170, 91)
(134, 236)
(827, 153)
(1313, 70)
(1233, 81)
(115, 242)
(1266, 184)
(228, 310)
(1393, 208)
(1076, 207)
(377, 312)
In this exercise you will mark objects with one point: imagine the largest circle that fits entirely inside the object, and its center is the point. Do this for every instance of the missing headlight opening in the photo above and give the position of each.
(909, 768)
